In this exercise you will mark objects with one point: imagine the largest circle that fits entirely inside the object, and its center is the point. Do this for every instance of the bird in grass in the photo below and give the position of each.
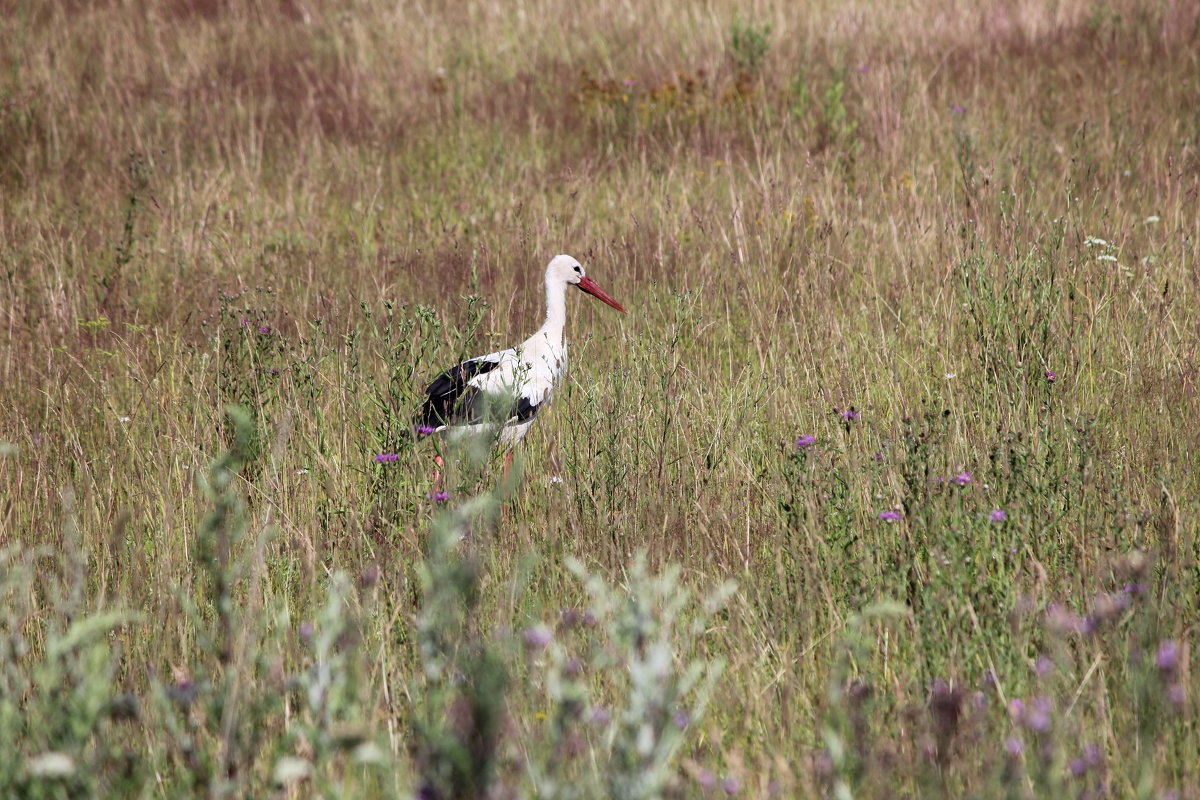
(501, 394)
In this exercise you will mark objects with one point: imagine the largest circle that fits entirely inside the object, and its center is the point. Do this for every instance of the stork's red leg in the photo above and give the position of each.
(437, 473)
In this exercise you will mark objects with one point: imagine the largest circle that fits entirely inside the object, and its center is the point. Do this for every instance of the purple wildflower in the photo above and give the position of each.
(1176, 696)
(537, 637)
(1134, 588)
(629, 82)
(863, 69)
(958, 110)
(878, 457)
(1014, 746)
(1043, 666)
(1050, 376)
(998, 516)
(890, 516)
(439, 497)
(850, 414)
(599, 717)
(1038, 715)
(731, 785)
(568, 619)
(183, 692)
(264, 329)
(369, 577)
(1092, 754)
(386, 458)
(306, 631)
(245, 323)
(706, 779)
(1167, 657)
(681, 719)
(424, 430)
(1016, 708)
(1077, 767)
(805, 442)
(1063, 621)
(961, 479)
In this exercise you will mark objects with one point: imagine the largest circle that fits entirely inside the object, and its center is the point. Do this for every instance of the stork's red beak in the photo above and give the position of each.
(590, 286)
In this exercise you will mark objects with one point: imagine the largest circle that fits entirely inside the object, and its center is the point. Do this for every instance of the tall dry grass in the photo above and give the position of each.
(918, 213)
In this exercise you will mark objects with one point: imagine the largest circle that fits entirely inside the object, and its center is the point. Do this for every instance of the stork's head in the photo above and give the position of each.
(564, 269)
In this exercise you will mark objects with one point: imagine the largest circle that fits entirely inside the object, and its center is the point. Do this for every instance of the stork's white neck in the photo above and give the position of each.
(556, 313)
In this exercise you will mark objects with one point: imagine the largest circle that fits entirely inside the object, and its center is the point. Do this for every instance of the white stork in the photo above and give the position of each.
(502, 393)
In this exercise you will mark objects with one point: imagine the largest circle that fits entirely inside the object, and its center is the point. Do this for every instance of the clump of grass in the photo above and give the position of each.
(748, 45)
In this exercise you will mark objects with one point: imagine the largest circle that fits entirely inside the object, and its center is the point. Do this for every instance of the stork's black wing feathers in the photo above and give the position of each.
(449, 396)
(526, 409)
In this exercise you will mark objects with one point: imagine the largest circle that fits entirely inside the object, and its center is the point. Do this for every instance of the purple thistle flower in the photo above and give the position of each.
(424, 430)
(386, 458)
(1077, 767)
(958, 110)
(1037, 717)
(890, 516)
(1043, 666)
(878, 457)
(850, 414)
(599, 717)
(998, 516)
(264, 329)
(805, 442)
(1167, 657)
(1176, 695)
(1134, 588)
(706, 779)
(681, 719)
(306, 631)
(1092, 754)
(1050, 376)
(629, 82)
(1014, 746)
(961, 479)
(1062, 621)
(537, 637)
(731, 785)
(439, 497)
(1016, 708)
(245, 323)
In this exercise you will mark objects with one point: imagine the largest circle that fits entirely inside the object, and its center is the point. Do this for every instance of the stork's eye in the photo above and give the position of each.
(578, 270)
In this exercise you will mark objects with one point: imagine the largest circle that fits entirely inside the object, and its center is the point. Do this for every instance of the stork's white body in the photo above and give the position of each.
(520, 380)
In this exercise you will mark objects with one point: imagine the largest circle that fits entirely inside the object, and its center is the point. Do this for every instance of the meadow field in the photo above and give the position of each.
(886, 486)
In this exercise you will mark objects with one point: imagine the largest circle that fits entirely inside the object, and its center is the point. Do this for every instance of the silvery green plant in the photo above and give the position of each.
(224, 710)
(61, 712)
(328, 698)
(645, 633)
(459, 701)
